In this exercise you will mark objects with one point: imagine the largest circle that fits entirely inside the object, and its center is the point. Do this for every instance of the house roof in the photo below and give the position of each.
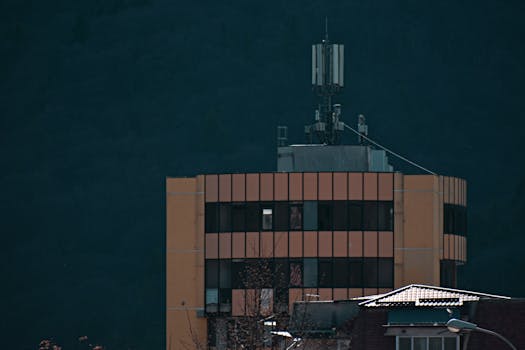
(423, 295)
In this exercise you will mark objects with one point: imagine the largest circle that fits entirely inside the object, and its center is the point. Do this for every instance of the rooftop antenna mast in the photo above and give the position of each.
(327, 81)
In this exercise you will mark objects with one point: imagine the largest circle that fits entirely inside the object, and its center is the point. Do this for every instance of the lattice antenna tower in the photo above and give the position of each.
(327, 81)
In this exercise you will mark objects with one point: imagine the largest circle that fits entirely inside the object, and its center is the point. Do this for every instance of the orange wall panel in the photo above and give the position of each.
(310, 243)
(325, 244)
(238, 244)
(225, 187)
(340, 294)
(238, 191)
(355, 186)
(252, 244)
(446, 189)
(370, 243)
(281, 186)
(296, 244)
(340, 186)
(225, 245)
(386, 244)
(355, 244)
(296, 186)
(370, 291)
(267, 244)
(325, 294)
(238, 300)
(325, 186)
(266, 187)
(370, 186)
(212, 188)
(212, 246)
(310, 186)
(340, 243)
(294, 294)
(252, 187)
(386, 183)
(281, 244)
(355, 292)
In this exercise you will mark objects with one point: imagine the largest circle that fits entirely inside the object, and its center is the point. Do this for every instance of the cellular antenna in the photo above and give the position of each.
(327, 81)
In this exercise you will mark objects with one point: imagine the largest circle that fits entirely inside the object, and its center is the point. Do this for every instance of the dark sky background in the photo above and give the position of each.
(100, 100)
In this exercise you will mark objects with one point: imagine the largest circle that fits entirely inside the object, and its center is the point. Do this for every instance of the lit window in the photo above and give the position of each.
(267, 215)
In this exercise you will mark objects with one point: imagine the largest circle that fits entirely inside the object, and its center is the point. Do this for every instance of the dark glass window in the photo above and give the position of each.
(281, 273)
(324, 215)
(448, 217)
(356, 273)
(225, 268)
(225, 217)
(340, 215)
(325, 273)
(386, 273)
(341, 272)
(237, 273)
(212, 331)
(296, 216)
(385, 216)
(252, 217)
(296, 273)
(370, 216)
(310, 215)
(280, 216)
(310, 272)
(212, 273)
(355, 211)
(281, 300)
(212, 217)
(370, 273)
(258, 273)
(238, 217)
(448, 273)
(225, 300)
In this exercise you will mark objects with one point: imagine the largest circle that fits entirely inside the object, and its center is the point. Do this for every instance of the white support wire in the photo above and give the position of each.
(389, 151)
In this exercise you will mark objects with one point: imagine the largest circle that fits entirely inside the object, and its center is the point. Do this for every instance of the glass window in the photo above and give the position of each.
(370, 272)
(296, 216)
(340, 272)
(310, 215)
(212, 296)
(404, 343)
(252, 217)
(237, 273)
(225, 273)
(281, 273)
(324, 215)
(225, 217)
(267, 218)
(212, 273)
(238, 217)
(435, 343)
(386, 272)
(355, 211)
(225, 299)
(258, 273)
(370, 216)
(325, 273)
(212, 334)
(451, 343)
(212, 217)
(296, 274)
(356, 273)
(385, 216)
(340, 215)
(420, 343)
(310, 272)
(281, 216)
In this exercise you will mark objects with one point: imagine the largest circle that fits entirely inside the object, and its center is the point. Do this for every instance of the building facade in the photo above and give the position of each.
(236, 242)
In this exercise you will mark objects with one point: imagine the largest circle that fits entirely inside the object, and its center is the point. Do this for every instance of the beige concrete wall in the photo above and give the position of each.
(184, 262)
(418, 229)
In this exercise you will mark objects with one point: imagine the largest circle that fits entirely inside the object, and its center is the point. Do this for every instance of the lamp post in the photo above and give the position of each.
(455, 326)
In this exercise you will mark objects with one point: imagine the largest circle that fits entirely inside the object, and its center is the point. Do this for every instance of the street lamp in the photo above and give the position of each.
(455, 326)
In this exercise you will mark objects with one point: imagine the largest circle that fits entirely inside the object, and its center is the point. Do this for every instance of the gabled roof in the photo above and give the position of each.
(423, 295)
